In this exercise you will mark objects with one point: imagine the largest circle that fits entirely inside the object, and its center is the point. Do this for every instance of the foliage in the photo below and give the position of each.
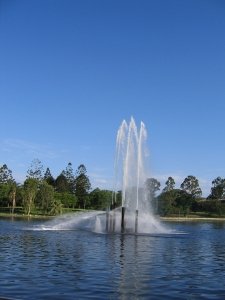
(61, 184)
(45, 197)
(166, 202)
(30, 192)
(12, 195)
(191, 186)
(211, 206)
(82, 186)
(35, 170)
(68, 173)
(5, 174)
(4, 193)
(56, 207)
(170, 184)
(218, 189)
(8, 188)
(49, 178)
(67, 199)
(48, 195)
(100, 199)
(152, 186)
(184, 201)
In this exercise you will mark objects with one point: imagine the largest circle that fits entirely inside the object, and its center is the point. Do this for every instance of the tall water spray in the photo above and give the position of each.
(130, 170)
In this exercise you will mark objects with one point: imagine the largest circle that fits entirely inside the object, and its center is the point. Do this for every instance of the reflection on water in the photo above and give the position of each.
(81, 264)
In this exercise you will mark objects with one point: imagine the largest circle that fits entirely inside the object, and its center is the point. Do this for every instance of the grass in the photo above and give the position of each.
(35, 213)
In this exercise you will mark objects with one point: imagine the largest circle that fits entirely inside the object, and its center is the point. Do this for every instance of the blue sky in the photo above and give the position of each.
(71, 71)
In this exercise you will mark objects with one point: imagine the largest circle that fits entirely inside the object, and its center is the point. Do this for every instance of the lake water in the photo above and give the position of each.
(78, 264)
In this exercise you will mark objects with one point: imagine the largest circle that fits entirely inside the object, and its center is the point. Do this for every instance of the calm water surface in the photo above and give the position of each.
(72, 264)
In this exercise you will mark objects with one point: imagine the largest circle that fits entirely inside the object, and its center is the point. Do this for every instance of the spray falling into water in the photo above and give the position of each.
(120, 148)
(130, 164)
(131, 172)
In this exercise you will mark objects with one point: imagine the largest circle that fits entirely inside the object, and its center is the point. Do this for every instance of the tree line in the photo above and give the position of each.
(188, 198)
(41, 193)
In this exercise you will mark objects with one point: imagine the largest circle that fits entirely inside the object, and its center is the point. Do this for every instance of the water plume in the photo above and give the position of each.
(130, 174)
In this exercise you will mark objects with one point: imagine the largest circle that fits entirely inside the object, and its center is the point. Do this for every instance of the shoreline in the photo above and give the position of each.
(22, 216)
(166, 219)
(187, 219)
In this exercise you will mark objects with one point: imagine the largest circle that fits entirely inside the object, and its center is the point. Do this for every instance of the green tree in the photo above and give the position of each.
(56, 207)
(191, 186)
(184, 201)
(167, 202)
(30, 192)
(100, 199)
(49, 178)
(61, 184)
(35, 170)
(69, 175)
(12, 195)
(4, 194)
(152, 186)
(67, 199)
(217, 189)
(45, 197)
(170, 184)
(8, 188)
(82, 186)
(5, 174)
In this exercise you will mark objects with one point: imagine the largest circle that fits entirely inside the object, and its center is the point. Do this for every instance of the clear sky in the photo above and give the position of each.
(72, 70)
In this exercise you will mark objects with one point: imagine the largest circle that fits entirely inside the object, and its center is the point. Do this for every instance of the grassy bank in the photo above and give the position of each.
(19, 213)
(200, 216)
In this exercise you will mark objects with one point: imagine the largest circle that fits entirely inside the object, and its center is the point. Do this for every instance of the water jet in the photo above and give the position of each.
(135, 215)
(131, 173)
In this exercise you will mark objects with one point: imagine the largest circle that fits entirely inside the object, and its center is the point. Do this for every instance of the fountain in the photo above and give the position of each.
(130, 170)
(135, 215)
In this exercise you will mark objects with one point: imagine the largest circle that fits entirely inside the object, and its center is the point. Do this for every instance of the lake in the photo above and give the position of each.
(80, 264)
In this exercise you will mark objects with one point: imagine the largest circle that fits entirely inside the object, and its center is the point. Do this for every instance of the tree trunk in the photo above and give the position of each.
(13, 201)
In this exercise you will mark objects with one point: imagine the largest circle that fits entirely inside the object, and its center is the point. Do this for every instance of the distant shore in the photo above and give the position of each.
(186, 219)
(23, 216)
(166, 219)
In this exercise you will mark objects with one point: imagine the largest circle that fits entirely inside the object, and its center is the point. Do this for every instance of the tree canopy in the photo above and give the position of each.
(41, 192)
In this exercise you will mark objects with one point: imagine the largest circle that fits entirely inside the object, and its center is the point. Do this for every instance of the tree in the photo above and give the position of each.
(45, 197)
(67, 199)
(48, 177)
(82, 186)
(35, 170)
(68, 173)
(12, 195)
(8, 192)
(100, 199)
(30, 192)
(191, 186)
(61, 184)
(166, 202)
(152, 186)
(170, 183)
(5, 174)
(184, 201)
(56, 207)
(218, 188)
(4, 195)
